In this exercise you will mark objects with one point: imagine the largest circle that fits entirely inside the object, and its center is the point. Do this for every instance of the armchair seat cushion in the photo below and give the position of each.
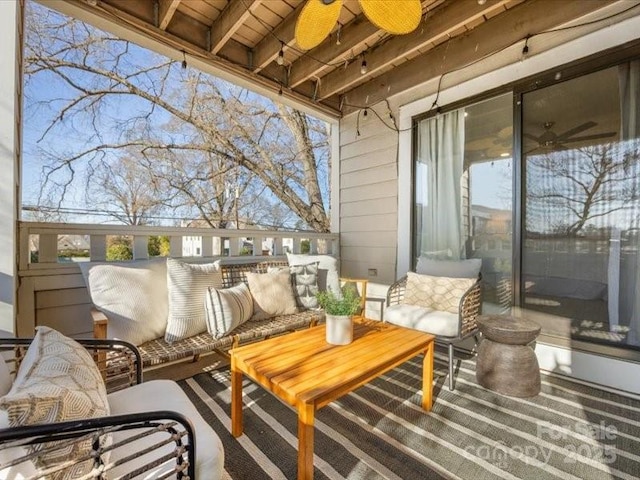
(436, 322)
(164, 395)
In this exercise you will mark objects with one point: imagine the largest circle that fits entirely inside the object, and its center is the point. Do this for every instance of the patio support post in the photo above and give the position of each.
(11, 29)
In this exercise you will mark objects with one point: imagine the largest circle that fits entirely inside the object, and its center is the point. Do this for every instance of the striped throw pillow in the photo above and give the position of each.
(227, 308)
(187, 285)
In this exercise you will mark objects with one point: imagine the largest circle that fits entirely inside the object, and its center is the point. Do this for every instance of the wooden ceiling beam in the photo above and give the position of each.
(166, 9)
(231, 18)
(436, 26)
(493, 35)
(352, 36)
(268, 48)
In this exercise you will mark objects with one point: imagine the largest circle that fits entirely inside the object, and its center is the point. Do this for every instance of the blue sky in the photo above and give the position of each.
(75, 135)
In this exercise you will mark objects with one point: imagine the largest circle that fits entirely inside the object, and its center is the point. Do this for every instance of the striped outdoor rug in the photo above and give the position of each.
(569, 431)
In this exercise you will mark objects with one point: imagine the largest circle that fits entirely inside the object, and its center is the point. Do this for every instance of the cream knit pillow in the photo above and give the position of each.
(272, 294)
(439, 293)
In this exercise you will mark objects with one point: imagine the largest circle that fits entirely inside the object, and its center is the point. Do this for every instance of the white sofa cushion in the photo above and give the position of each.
(133, 295)
(437, 293)
(469, 268)
(57, 381)
(164, 395)
(328, 277)
(425, 319)
(227, 308)
(187, 285)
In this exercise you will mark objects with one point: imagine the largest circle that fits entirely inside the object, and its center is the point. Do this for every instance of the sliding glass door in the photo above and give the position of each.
(582, 206)
(565, 245)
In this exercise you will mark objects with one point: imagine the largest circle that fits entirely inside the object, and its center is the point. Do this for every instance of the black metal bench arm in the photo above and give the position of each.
(178, 428)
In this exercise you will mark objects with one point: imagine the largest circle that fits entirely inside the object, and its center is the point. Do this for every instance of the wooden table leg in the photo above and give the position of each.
(236, 400)
(427, 378)
(306, 414)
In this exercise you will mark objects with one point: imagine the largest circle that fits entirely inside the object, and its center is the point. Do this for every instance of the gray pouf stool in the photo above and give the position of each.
(506, 363)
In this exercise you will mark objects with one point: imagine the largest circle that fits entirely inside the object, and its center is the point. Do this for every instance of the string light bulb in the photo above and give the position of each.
(184, 59)
(280, 90)
(363, 67)
(280, 59)
(365, 113)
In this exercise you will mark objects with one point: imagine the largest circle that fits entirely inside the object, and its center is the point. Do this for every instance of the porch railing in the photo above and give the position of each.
(52, 291)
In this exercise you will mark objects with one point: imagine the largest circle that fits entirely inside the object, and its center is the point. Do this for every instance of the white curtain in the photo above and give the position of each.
(438, 189)
(629, 85)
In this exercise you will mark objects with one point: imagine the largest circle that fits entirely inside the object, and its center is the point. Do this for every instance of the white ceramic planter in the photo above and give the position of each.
(339, 329)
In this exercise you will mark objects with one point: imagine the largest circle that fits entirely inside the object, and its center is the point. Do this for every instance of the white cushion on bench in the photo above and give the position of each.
(164, 395)
(425, 319)
(133, 295)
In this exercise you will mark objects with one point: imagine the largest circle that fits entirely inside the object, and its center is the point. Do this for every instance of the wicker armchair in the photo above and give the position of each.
(130, 443)
(470, 307)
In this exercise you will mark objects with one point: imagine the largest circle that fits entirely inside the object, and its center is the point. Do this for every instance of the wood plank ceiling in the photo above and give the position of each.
(244, 37)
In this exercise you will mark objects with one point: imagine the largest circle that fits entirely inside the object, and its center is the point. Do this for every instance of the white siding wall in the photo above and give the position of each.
(368, 199)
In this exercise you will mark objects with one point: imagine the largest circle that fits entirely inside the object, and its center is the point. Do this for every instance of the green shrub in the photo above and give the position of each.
(118, 252)
(159, 246)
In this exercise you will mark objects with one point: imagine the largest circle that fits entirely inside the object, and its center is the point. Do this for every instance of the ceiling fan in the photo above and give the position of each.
(549, 140)
(318, 17)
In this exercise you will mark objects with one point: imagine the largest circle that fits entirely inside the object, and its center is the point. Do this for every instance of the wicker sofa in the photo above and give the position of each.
(152, 429)
(159, 352)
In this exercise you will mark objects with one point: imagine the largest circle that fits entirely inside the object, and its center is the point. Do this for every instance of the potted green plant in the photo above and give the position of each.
(339, 313)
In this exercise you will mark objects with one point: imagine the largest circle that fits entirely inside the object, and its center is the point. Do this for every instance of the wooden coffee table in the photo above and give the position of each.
(306, 372)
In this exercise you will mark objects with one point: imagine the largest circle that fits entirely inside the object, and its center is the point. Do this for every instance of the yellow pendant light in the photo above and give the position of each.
(318, 17)
(397, 17)
(315, 22)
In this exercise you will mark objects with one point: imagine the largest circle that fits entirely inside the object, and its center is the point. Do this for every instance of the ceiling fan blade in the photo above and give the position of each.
(575, 130)
(595, 136)
(531, 137)
(480, 144)
(315, 22)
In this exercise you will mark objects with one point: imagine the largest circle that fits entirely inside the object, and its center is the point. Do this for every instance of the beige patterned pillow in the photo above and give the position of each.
(440, 293)
(272, 294)
(57, 381)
